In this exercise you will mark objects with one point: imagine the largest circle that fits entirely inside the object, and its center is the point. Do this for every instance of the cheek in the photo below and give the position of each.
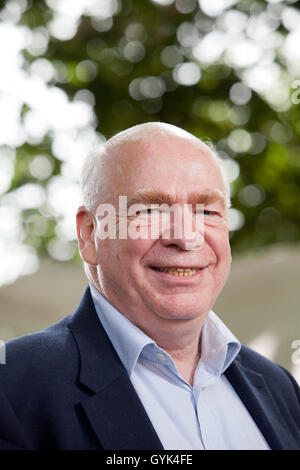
(127, 254)
(218, 240)
(135, 251)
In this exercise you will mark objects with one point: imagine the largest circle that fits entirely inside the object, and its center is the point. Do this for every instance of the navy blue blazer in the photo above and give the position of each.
(66, 388)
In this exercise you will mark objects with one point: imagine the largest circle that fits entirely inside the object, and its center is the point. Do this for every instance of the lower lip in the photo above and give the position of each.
(171, 277)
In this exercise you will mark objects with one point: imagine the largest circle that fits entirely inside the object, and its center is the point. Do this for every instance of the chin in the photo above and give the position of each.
(181, 309)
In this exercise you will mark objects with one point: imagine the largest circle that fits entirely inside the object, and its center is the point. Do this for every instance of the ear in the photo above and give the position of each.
(85, 234)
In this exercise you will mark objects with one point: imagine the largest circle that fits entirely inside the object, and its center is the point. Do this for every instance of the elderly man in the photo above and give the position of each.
(144, 363)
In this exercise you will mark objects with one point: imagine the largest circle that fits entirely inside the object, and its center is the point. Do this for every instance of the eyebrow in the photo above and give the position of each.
(154, 196)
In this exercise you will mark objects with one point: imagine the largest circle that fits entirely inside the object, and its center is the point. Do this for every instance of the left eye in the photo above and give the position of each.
(207, 212)
(210, 212)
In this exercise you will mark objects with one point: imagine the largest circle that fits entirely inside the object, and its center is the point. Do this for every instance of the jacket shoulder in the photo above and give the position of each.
(254, 360)
(38, 353)
(274, 374)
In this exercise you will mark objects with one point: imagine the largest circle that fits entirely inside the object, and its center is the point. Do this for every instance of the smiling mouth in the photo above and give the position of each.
(181, 272)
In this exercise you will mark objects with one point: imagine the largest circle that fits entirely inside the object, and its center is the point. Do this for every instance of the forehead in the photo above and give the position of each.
(170, 163)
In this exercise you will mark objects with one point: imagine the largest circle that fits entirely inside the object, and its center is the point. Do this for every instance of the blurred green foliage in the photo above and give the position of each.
(143, 41)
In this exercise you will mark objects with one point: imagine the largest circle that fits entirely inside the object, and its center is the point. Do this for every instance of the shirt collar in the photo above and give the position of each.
(126, 338)
(219, 346)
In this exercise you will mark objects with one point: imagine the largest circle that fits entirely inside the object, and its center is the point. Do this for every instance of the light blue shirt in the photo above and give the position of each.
(207, 415)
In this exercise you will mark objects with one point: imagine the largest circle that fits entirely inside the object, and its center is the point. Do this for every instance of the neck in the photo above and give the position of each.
(183, 347)
(186, 362)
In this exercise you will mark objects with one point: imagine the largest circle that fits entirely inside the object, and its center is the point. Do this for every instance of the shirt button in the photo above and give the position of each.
(161, 356)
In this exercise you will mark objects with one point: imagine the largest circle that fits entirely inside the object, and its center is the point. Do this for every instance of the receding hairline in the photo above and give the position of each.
(138, 133)
(142, 133)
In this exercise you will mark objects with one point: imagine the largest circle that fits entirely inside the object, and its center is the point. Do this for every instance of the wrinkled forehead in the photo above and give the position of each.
(160, 159)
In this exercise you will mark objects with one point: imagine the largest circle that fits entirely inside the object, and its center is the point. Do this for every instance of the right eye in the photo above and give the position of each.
(147, 211)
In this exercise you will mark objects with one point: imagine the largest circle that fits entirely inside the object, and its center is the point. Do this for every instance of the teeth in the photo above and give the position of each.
(179, 271)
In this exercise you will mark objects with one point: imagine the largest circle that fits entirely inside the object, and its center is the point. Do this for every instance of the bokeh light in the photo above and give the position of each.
(187, 74)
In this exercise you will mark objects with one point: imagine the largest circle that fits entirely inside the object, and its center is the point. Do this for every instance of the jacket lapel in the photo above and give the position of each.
(113, 408)
(119, 419)
(257, 397)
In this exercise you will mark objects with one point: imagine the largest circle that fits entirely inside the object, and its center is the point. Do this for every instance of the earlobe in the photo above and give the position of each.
(88, 253)
(85, 235)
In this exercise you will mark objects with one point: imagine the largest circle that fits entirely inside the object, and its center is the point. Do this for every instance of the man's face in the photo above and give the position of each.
(132, 272)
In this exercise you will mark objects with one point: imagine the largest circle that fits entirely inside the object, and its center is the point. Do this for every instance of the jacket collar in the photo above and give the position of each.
(258, 399)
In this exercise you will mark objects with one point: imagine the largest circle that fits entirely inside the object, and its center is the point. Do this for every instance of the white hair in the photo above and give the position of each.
(93, 165)
(89, 181)
(220, 163)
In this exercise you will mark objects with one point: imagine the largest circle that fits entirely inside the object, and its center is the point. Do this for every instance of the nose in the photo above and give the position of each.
(184, 230)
